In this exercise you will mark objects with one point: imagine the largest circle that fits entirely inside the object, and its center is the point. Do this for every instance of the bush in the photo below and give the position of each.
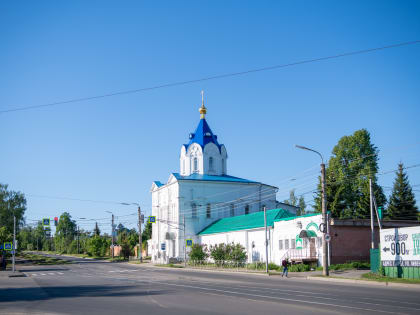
(299, 268)
(236, 253)
(273, 266)
(218, 253)
(198, 253)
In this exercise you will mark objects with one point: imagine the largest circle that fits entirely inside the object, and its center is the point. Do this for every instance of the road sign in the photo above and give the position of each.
(327, 237)
(8, 246)
(400, 247)
(46, 222)
(189, 243)
(152, 219)
(163, 246)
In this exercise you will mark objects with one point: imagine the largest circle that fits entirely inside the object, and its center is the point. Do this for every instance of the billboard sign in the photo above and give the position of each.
(400, 247)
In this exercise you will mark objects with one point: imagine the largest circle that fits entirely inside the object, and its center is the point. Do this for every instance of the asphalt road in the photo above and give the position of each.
(97, 287)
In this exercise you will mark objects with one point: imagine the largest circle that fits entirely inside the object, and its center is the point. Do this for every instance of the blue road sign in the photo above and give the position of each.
(152, 219)
(163, 246)
(8, 246)
(189, 243)
(46, 222)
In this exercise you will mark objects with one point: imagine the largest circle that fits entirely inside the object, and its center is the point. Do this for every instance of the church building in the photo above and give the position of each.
(200, 194)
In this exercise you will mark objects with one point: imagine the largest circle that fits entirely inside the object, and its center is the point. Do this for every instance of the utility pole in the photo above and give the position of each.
(112, 236)
(185, 245)
(371, 215)
(266, 241)
(14, 242)
(140, 239)
(78, 247)
(325, 270)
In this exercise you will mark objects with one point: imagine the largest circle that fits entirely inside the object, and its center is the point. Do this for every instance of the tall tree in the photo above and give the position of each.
(354, 161)
(65, 233)
(402, 204)
(11, 203)
(301, 205)
(96, 231)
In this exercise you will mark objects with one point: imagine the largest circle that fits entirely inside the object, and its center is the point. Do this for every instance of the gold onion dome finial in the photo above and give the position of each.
(202, 109)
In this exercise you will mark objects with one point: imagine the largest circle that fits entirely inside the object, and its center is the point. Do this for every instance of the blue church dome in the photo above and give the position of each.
(203, 135)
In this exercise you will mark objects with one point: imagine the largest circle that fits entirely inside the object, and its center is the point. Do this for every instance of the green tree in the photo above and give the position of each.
(219, 253)
(301, 205)
(65, 233)
(198, 253)
(354, 160)
(11, 203)
(402, 203)
(98, 246)
(147, 232)
(237, 253)
(96, 230)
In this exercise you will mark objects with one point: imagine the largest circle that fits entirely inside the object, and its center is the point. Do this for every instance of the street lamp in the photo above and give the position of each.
(325, 271)
(112, 231)
(140, 254)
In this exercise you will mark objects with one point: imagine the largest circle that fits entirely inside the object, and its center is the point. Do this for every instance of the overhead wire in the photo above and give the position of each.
(214, 77)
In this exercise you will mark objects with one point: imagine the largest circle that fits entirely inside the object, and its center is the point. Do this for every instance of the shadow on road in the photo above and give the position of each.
(36, 293)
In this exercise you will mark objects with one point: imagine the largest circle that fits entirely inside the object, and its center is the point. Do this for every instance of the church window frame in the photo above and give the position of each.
(232, 210)
(247, 209)
(211, 163)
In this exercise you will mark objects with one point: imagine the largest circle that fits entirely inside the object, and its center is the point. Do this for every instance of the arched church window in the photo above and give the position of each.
(247, 209)
(211, 163)
(195, 165)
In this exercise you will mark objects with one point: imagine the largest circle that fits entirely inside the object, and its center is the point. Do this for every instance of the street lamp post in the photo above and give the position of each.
(112, 231)
(325, 222)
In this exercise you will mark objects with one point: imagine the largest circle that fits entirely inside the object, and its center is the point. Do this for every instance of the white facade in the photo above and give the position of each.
(200, 194)
(284, 240)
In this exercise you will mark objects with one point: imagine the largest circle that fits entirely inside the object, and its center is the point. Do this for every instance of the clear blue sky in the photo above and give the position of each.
(112, 149)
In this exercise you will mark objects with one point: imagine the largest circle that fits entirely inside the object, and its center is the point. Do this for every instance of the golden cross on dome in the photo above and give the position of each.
(202, 109)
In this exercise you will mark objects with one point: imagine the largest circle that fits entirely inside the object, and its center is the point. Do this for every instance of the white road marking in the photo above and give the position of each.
(274, 297)
(51, 273)
(43, 274)
(60, 273)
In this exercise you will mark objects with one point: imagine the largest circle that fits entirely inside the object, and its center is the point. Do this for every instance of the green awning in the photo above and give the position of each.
(307, 234)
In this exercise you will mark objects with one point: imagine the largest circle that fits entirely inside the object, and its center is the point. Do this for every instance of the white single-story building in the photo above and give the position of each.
(289, 236)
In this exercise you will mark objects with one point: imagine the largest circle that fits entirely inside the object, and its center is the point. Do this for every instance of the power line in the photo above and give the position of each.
(220, 76)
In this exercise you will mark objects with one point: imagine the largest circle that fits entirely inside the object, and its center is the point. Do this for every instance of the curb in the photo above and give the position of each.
(206, 270)
(376, 283)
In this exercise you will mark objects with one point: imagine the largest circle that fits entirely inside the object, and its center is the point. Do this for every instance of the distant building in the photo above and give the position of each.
(200, 194)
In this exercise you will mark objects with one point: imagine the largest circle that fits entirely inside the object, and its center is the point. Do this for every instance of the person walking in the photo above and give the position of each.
(285, 264)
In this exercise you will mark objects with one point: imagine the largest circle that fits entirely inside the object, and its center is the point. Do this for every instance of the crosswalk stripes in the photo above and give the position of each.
(35, 274)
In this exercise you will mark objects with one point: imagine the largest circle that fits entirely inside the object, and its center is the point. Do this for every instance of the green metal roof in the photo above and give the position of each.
(247, 221)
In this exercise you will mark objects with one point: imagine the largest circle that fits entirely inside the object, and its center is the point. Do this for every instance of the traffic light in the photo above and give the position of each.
(55, 221)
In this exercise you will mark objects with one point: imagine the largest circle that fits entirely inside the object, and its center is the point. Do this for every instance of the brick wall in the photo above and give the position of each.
(350, 243)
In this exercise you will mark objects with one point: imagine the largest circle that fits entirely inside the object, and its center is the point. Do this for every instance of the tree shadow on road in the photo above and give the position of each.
(53, 292)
